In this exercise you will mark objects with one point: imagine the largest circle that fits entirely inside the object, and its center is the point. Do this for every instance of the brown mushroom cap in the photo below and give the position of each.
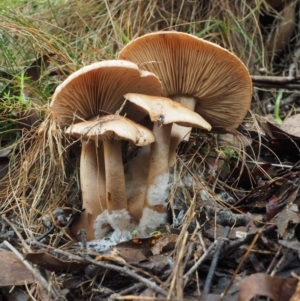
(192, 67)
(165, 111)
(112, 127)
(98, 89)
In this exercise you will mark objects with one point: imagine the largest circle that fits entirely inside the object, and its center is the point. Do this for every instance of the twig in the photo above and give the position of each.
(274, 260)
(42, 236)
(47, 286)
(27, 248)
(245, 240)
(274, 79)
(214, 262)
(128, 290)
(53, 291)
(122, 270)
(125, 270)
(258, 234)
(188, 254)
(199, 262)
(280, 82)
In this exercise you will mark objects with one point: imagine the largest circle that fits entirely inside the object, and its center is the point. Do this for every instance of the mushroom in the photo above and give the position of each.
(163, 112)
(97, 90)
(199, 74)
(111, 129)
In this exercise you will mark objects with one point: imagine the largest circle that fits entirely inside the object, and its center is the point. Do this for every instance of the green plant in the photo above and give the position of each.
(277, 107)
(13, 101)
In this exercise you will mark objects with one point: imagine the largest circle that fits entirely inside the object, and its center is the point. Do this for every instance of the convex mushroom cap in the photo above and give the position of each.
(112, 127)
(98, 89)
(201, 75)
(164, 111)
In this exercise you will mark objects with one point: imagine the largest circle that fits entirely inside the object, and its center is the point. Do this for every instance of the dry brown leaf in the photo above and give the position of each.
(291, 125)
(260, 284)
(291, 244)
(113, 256)
(137, 249)
(157, 264)
(284, 217)
(13, 271)
(51, 263)
(160, 244)
(296, 295)
(132, 255)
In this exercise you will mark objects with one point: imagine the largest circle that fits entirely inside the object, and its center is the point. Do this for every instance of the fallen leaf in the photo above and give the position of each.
(260, 284)
(51, 263)
(132, 255)
(157, 264)
(291, 125)
(296, 295)
(113, 256)
(137, 249)
(291, 244)
(160, 244)
(13, 271)
(284, 217)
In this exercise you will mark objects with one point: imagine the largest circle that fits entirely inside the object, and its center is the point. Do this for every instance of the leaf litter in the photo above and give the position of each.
(246, 182)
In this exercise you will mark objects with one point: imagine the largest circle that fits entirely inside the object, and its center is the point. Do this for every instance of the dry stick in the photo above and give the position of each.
(277, 85)
(198, 262)
(274, 260)
(274, 79)
(258, 234)
(37, 275)
(138, 298)
(123, 270)
(188, 254)
(178, 269)
(214, 262)
(287, 82)
(128, 290)
(279, 264)
(53, 290)
(245, 240)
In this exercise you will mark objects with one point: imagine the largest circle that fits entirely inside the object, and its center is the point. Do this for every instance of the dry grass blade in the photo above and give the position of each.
(41, 155)
(43, 163)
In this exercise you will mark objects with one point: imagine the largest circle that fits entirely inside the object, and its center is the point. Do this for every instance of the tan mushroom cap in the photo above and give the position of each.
(190, 66)
(98, 89)
(165, 111)
(112, 127)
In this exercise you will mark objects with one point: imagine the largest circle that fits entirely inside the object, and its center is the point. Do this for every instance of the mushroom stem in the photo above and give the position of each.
(154, 212)
(93, 192)
(115, 179)
(180, 133)
(136, 181)
(187, 101)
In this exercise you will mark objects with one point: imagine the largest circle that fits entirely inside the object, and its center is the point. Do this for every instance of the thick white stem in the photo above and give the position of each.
(180, 133)
(92, 181)
(118, 216)
(158, 180)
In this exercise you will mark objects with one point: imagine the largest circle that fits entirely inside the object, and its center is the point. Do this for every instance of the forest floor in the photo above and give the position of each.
(233, 231)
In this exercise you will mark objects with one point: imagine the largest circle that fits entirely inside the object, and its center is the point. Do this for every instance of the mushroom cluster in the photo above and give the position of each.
(176, 79)
(83, 104)
(199, 75)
